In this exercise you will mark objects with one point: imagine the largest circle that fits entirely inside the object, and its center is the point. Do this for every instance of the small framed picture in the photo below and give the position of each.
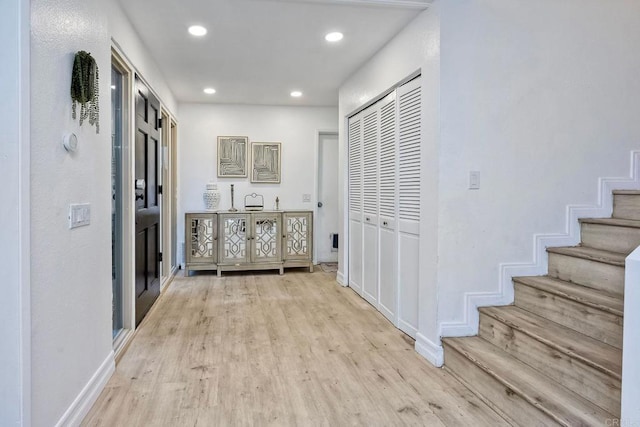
(265, 162)
(232, 156)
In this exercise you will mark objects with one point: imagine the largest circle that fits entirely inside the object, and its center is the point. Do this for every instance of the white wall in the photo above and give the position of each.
(542, 98)
(295, 127)
(70, 269)
(417, 47)
(128, 40)
(14, 214)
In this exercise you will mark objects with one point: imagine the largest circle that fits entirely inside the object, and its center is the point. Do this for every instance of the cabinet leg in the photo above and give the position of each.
(219, 273)
(281, 271)
(310, 268)
(186, 272)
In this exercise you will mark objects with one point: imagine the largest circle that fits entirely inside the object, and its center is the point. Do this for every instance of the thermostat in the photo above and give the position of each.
(70, 142)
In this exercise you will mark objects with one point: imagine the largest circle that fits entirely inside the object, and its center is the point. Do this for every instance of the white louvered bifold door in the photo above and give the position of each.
(409, 145)
(371, 142)
(355, 202)
(387, 261)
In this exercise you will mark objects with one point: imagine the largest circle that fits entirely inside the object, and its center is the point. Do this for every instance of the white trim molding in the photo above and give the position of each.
(631, 349)
(80, 407)
(341, 279)
(571, 236)
(431, 351)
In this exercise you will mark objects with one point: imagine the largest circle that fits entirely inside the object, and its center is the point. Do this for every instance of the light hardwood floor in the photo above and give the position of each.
(264, 349)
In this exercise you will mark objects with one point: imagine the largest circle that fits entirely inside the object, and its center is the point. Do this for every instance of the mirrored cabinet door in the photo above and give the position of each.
(298, 236)
(202, 232)
(265, 238)
(233, 238)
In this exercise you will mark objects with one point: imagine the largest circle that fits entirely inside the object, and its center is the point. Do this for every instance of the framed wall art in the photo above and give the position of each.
(232, 156)
(265, 162)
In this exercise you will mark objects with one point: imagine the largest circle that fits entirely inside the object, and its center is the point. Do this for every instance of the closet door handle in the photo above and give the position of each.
(385, 223)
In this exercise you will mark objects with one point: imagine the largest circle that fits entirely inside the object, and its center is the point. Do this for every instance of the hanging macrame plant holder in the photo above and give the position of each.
(85, 89)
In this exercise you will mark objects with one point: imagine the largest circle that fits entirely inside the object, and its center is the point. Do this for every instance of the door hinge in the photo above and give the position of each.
(159, 189)
(160, 256)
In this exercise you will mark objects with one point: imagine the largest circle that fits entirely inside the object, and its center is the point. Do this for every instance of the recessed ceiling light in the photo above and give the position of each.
(296, 94)
(197, 30)
(334, 37)
(209, 91)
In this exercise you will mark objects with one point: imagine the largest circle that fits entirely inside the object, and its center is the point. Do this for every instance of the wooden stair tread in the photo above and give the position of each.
(597, 354)
(627, 192)
(593, 254)
(564, 406)
(592, 297)
(618, 222)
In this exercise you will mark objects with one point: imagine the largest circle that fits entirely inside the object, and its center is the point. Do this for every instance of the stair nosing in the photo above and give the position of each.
(490, 311)
(530, 281)
(574, 251)
(615, 222)
(452, 342)
(626, 192)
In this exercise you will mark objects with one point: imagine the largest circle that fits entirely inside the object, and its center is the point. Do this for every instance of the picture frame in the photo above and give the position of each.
(266, 162)
(232, 156)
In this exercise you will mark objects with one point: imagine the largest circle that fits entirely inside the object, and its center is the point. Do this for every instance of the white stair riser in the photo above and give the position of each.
(593, 274)
(610, 237)
(508, 403)
(597, 324)
(626, 206)
(590, 383)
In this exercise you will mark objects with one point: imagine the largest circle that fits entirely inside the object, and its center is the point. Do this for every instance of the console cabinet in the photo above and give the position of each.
(231, 241)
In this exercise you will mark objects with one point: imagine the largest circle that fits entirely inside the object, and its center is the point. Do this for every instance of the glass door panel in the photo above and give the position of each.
(117, 83)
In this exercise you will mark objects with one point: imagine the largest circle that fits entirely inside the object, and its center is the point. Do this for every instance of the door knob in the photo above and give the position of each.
(319, 204)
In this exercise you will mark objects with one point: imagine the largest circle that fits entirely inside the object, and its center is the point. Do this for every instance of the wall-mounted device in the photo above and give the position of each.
(70, 142)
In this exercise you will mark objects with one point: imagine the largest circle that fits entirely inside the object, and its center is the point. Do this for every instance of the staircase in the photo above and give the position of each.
(555, 356)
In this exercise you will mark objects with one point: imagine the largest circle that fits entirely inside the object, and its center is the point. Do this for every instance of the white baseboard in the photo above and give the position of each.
(429, 350)
(80, 407)
(538, 266)
(341, 279)
(407, 328)
(387, 313)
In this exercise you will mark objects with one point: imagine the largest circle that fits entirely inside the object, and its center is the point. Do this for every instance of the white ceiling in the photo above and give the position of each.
(258, 51)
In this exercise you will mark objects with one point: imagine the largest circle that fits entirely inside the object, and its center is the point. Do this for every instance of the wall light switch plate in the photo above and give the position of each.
(306, 198)
(474, 180)
(79, 215)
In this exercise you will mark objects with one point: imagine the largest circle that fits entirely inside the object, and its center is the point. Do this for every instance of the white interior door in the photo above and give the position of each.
(327, 216)
(409, 141)
(388, 236)
(371, 130)
(355, 203)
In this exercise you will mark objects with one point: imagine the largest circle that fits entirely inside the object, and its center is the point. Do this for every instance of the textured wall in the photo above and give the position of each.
(70, 269)
(543, 99)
